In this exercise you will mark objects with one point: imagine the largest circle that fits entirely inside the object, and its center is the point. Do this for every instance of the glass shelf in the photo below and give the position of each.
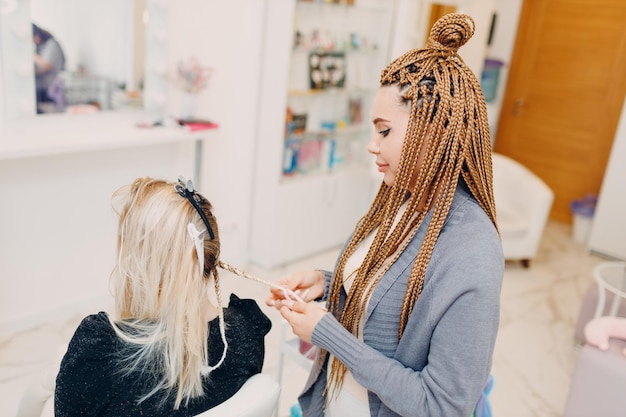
(364, 50)
(330, 92)
(343, 4)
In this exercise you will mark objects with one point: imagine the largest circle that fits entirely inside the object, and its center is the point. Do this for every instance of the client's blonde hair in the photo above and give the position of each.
(160, 292)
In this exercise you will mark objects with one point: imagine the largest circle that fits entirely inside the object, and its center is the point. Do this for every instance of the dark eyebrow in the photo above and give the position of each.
(379, 119)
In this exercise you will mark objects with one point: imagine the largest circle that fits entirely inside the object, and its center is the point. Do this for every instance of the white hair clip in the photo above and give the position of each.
(197, 237)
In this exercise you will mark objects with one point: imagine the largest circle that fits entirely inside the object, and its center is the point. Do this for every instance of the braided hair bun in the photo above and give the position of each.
(451, 32)
(447, 35)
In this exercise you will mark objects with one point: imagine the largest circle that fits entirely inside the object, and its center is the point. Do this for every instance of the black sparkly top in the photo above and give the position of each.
(88, 385)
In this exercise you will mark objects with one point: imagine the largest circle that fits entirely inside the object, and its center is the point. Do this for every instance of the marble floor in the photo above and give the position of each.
(534, 355)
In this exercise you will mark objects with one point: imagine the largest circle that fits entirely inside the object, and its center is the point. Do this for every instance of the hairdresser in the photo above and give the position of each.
(412, 305)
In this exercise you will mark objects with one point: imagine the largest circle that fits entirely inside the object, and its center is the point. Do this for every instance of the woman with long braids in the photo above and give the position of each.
(412, 306)
(168, 350)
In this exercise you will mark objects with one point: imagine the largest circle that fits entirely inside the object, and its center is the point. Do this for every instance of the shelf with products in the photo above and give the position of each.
(324, 152)
(325, 135)
(329, 92)
(335, 37)
(321, 76)
(373, 5)
(337, 52)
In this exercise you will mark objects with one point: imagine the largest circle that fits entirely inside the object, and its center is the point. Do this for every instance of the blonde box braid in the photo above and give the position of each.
(448, 108)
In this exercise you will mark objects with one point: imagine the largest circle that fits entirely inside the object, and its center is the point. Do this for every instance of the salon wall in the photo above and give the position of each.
(228, 38)
(57, 230)
(608, 230)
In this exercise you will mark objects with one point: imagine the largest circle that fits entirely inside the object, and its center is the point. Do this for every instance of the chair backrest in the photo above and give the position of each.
(37, 399)
(258, 397)
(523, 204)
(510, 178)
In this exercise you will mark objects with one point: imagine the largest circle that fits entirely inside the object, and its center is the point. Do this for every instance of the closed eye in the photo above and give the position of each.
(384, 133)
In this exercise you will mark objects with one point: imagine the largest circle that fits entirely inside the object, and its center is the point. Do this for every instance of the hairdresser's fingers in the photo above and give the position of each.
(276, 294)
(301, 280)
(302, 317)
(270, 301)
(301, 286)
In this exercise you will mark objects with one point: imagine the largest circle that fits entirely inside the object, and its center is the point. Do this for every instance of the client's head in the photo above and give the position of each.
(167, 252)
(159, 234)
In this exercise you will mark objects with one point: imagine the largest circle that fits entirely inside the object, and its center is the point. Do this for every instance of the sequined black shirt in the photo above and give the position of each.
(88, 384)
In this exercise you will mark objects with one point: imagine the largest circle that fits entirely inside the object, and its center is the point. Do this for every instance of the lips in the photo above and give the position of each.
(382, 167)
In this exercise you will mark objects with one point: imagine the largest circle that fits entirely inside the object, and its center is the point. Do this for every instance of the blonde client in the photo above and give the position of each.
(168, 350)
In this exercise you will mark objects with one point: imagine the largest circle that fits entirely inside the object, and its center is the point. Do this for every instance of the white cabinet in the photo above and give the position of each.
(322, 63)
(316, 213)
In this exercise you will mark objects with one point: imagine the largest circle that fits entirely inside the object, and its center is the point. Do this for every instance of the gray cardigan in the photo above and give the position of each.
(442, 362)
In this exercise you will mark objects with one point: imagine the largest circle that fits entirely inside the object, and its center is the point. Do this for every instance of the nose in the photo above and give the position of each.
(373, 145)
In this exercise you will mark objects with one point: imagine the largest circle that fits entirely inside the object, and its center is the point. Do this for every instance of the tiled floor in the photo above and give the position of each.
(534, 354)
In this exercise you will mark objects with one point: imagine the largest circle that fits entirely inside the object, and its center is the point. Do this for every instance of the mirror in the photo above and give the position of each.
(96, 59)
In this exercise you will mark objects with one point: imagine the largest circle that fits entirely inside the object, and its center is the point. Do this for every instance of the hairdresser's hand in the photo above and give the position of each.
(302, 317)
(308, 285)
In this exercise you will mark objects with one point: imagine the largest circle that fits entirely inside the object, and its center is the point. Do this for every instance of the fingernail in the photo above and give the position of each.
(289, 303)
(271, 302)
(304, 294)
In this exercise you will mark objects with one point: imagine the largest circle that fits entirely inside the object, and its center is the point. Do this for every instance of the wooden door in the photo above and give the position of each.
(564, 94)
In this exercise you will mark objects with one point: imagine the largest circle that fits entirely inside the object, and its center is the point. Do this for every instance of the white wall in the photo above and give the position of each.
(57, 229)
(57, 233)
(608, 230)
(501, 48)
(18, 74)
(226, 36)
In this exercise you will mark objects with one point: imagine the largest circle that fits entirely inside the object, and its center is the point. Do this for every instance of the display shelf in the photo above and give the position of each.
(369, 5)
(349, 50)
(325, 153)
(323, 65)
(330, 92)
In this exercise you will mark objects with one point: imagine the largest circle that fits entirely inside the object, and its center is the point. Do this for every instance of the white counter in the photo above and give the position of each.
(46, 135)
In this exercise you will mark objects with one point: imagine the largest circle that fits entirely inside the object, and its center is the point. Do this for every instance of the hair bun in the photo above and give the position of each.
(451, 32)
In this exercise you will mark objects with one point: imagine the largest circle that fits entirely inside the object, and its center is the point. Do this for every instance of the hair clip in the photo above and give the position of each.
(196, 237)
(184, 188)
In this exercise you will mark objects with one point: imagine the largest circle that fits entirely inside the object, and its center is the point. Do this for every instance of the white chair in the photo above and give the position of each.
(38, 398)
(258, 397)
(523, 203)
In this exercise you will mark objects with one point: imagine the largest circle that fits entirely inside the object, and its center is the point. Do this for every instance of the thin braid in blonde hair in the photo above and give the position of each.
(243, 274)
(448, 109)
